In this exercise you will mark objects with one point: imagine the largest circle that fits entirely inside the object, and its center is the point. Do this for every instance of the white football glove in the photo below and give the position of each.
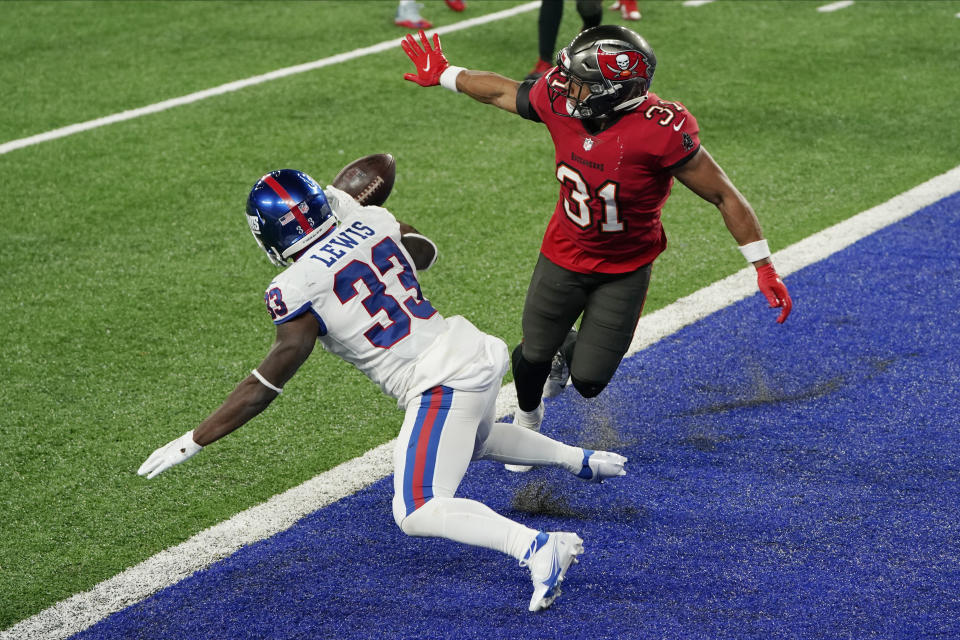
(183, 448)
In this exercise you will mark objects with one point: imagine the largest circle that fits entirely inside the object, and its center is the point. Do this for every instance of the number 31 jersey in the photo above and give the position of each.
(612, 183)
(361, 286)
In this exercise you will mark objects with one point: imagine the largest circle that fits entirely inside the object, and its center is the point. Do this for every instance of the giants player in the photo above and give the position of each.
(353, 287)
(618, 149)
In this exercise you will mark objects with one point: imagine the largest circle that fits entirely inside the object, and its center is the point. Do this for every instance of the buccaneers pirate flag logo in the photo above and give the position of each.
(621, 66)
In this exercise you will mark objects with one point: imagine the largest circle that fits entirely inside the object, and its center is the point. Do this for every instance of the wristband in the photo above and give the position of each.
(755, 250)
(448, 78)
(263, 381)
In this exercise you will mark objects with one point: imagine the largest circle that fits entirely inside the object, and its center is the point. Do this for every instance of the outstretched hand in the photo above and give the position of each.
(775, 291)
(430, 61)
(175, 452)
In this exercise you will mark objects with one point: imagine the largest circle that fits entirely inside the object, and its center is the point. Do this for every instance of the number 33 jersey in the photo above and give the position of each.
(612, 183)
(360, 284)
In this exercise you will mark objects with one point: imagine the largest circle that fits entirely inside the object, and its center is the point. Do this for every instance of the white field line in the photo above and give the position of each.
(835, 6)
(236, 85)
(696, 3)
(280, 512)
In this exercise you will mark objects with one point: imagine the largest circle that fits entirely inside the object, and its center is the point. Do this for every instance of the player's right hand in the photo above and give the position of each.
(175, 452)
(430, 61)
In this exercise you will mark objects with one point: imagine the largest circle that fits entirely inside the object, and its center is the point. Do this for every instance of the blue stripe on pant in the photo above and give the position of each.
(422, 447)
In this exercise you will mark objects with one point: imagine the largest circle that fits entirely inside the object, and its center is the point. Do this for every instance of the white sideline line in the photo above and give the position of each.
(696, 3)
(835, 6)
(280, 512)
(236, 85)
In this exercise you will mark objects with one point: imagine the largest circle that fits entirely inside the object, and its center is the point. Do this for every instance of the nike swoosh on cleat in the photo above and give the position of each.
(554, 572)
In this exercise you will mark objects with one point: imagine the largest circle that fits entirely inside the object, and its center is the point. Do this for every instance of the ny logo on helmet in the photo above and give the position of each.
(623, 65)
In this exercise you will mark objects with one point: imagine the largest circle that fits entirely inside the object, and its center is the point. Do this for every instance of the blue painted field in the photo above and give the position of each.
(796, 481)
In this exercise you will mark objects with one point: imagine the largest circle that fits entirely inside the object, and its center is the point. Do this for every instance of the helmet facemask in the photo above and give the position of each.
(606, 71)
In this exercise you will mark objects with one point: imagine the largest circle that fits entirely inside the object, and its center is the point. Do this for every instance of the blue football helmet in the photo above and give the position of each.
(287, 212)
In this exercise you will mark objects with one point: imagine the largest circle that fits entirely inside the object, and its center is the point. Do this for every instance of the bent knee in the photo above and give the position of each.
(415, 522)
(587, 389)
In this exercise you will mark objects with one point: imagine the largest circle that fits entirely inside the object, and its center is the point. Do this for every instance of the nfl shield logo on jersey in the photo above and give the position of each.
(587, 144)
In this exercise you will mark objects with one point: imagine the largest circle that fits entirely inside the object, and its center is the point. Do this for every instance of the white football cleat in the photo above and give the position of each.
(528, 420)
(558, 378)
(559, 374)
(554, 554)
(600, 465)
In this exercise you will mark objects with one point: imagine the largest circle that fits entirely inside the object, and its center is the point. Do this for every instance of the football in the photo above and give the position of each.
(368, 179)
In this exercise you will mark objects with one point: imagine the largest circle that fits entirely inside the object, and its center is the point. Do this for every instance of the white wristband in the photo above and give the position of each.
(263, 381)
(755, 250)
(448, 78)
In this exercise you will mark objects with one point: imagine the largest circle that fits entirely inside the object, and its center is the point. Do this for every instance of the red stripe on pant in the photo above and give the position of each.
(420, 464)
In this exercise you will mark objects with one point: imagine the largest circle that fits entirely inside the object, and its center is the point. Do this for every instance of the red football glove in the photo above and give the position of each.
(430, 62)
(773, 288)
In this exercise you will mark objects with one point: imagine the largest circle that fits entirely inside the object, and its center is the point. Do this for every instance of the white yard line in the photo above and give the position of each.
(696, 3)
(388, 45)
(835, 6)
(280, 512)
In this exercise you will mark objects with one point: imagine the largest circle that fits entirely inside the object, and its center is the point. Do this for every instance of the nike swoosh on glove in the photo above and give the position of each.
(430, 61)
(775, 291)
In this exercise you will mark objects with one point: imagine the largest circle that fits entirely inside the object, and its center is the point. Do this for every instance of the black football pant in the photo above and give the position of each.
(610, 305)
(548, 23)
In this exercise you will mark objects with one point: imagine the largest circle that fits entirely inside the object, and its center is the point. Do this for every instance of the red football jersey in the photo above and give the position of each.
(613, 183)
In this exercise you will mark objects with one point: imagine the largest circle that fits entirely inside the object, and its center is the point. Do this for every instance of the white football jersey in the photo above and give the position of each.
(360, 283)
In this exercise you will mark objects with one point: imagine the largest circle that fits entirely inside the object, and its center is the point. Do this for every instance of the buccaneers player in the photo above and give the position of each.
(618, 149)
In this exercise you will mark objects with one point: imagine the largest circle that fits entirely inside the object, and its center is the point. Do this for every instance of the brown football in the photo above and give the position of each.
(368, 179)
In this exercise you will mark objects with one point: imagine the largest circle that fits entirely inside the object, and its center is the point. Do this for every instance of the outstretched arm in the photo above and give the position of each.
(294, 343)
(703, 176)
(433, 69)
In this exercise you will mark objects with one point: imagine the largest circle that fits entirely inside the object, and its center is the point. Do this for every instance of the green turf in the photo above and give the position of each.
(132, 289)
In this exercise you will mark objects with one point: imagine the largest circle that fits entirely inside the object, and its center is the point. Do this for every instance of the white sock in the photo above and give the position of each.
(513, 444)
(470, 522)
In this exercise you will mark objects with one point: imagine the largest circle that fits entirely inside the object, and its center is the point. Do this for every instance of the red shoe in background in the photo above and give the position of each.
(408, 16)
(629, 9)
(457, 5)
(542, 67)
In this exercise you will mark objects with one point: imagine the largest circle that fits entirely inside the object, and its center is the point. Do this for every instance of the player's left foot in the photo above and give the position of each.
(559, 374)
(600, 465)
(554, 554)
(457, 5)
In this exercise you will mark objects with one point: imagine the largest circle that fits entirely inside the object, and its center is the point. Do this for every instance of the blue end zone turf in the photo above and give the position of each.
(796, 481)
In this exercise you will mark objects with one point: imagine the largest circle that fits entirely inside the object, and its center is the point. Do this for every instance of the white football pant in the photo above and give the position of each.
(442, 432)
